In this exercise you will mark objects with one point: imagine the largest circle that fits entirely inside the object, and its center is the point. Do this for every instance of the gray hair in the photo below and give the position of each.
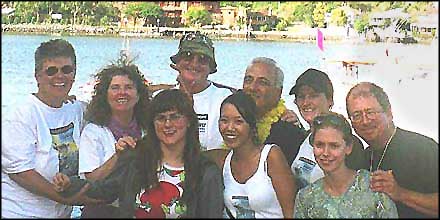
(271, 63)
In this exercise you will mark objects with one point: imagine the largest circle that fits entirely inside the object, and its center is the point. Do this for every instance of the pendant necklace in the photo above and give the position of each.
(383, 154)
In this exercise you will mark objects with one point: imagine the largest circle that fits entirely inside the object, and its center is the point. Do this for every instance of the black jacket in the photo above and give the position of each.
(123, 183)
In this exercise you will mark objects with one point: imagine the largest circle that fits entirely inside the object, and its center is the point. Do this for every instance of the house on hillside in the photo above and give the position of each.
(174, 10)
(425, 26)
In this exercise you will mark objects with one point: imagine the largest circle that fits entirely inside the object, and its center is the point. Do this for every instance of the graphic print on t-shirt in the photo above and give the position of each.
(162, 201)
(62, 141)
(303, 169)
(241, 203)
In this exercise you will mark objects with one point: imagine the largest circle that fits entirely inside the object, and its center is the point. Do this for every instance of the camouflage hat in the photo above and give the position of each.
(196, 43)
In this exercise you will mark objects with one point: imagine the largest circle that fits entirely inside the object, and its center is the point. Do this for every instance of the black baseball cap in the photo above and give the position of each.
(316, 79)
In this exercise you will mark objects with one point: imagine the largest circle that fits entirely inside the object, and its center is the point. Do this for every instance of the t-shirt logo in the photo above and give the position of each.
(303, 169)
(241, 203)
(62, 141)
(203, 122)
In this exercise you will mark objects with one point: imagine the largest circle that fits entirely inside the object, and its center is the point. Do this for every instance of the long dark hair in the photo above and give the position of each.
(99, 111)
(150, 155)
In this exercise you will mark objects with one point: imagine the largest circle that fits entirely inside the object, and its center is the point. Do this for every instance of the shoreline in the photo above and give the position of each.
(301, 35)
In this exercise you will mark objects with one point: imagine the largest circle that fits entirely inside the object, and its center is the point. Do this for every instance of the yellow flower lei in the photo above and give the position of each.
(265, 124)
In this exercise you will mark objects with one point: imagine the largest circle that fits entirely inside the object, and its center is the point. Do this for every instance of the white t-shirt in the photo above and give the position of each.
(254, 199)
(96, 146)
(304, 167)
(37, 136)
(207, 106)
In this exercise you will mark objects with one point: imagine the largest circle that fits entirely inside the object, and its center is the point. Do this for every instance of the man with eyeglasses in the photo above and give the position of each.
(40, 138)
(263, 80)
(313, 92)
(404, 164)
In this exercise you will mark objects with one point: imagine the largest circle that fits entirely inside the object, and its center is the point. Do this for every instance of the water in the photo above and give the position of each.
(412, 83)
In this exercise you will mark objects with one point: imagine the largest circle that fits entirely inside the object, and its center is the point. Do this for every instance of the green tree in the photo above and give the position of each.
(151, 12)
(319, 14)
(196, 16)
(133, 9)
(361, 24)
(338, 17)
(281, 25)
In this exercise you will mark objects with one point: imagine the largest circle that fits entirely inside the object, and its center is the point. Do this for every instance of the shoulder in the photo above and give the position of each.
(25, 111)
(221, 86)
(209, 168)
(217, 156)
(275, 155)
(94, 128)
(288, 127)
(410, 137)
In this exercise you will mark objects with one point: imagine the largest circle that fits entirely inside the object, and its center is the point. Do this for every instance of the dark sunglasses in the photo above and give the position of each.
(188, 55)
(52, 70)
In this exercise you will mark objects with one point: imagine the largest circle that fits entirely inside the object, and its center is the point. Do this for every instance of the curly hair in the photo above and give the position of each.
(99, 111)
(150, 154)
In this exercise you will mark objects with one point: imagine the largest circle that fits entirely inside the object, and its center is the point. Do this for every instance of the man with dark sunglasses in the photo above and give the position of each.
(40, 138)
(195, 61)
(404, 164)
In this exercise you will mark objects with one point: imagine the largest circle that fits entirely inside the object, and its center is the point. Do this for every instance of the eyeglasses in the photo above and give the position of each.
(162, 118)
(52, 70)
(358, 115)
(188, 55)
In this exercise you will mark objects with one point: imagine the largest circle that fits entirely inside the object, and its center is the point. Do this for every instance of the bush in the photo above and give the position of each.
(265, 28)
(282, 25)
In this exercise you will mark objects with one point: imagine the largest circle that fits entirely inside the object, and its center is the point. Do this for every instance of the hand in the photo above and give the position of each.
(290, 116)
(384, 181)
(69, 98)
(125, 142)
(61, 182)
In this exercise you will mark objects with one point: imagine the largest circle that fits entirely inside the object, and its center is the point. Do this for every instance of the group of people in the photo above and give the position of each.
(200, 149)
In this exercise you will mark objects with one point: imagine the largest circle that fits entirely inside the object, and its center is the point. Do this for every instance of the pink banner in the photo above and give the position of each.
(320, 40)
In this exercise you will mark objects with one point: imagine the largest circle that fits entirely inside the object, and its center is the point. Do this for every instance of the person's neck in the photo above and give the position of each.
(199, 87)
(123, 118)
(173, 155)
(54, 102)
(246, 152)
(337, 182)
(384, 139)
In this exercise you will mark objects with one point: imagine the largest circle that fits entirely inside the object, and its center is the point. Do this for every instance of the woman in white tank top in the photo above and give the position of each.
(257, 178)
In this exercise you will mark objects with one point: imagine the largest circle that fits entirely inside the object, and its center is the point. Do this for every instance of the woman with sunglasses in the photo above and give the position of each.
(116, 118)
(342, 192)
(165, 176)
(257, 178)
(40, 137)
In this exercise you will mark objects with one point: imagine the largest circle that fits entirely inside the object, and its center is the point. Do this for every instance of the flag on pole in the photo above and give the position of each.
(320, 40)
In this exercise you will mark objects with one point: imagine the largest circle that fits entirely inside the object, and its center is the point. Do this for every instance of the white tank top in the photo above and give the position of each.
(254, 199)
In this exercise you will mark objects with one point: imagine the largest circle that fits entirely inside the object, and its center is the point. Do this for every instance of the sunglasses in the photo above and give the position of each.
(52, 70)
(188, 55)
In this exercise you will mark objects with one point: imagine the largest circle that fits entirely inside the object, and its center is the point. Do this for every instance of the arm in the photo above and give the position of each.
(36, 184)
(282, 180)
(384, 181)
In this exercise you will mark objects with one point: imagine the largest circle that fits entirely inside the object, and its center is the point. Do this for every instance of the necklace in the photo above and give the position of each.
(383, 154)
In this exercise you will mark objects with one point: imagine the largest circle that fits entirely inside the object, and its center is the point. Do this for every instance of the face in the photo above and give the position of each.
(259, 82)
(193, 68)
(311, 103)
(330, 149)
(122, 94)
(56, 77)
(372, 122)
(171, 127)
(233, 128)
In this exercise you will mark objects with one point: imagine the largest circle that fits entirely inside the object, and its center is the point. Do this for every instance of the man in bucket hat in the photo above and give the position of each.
(194, 61)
